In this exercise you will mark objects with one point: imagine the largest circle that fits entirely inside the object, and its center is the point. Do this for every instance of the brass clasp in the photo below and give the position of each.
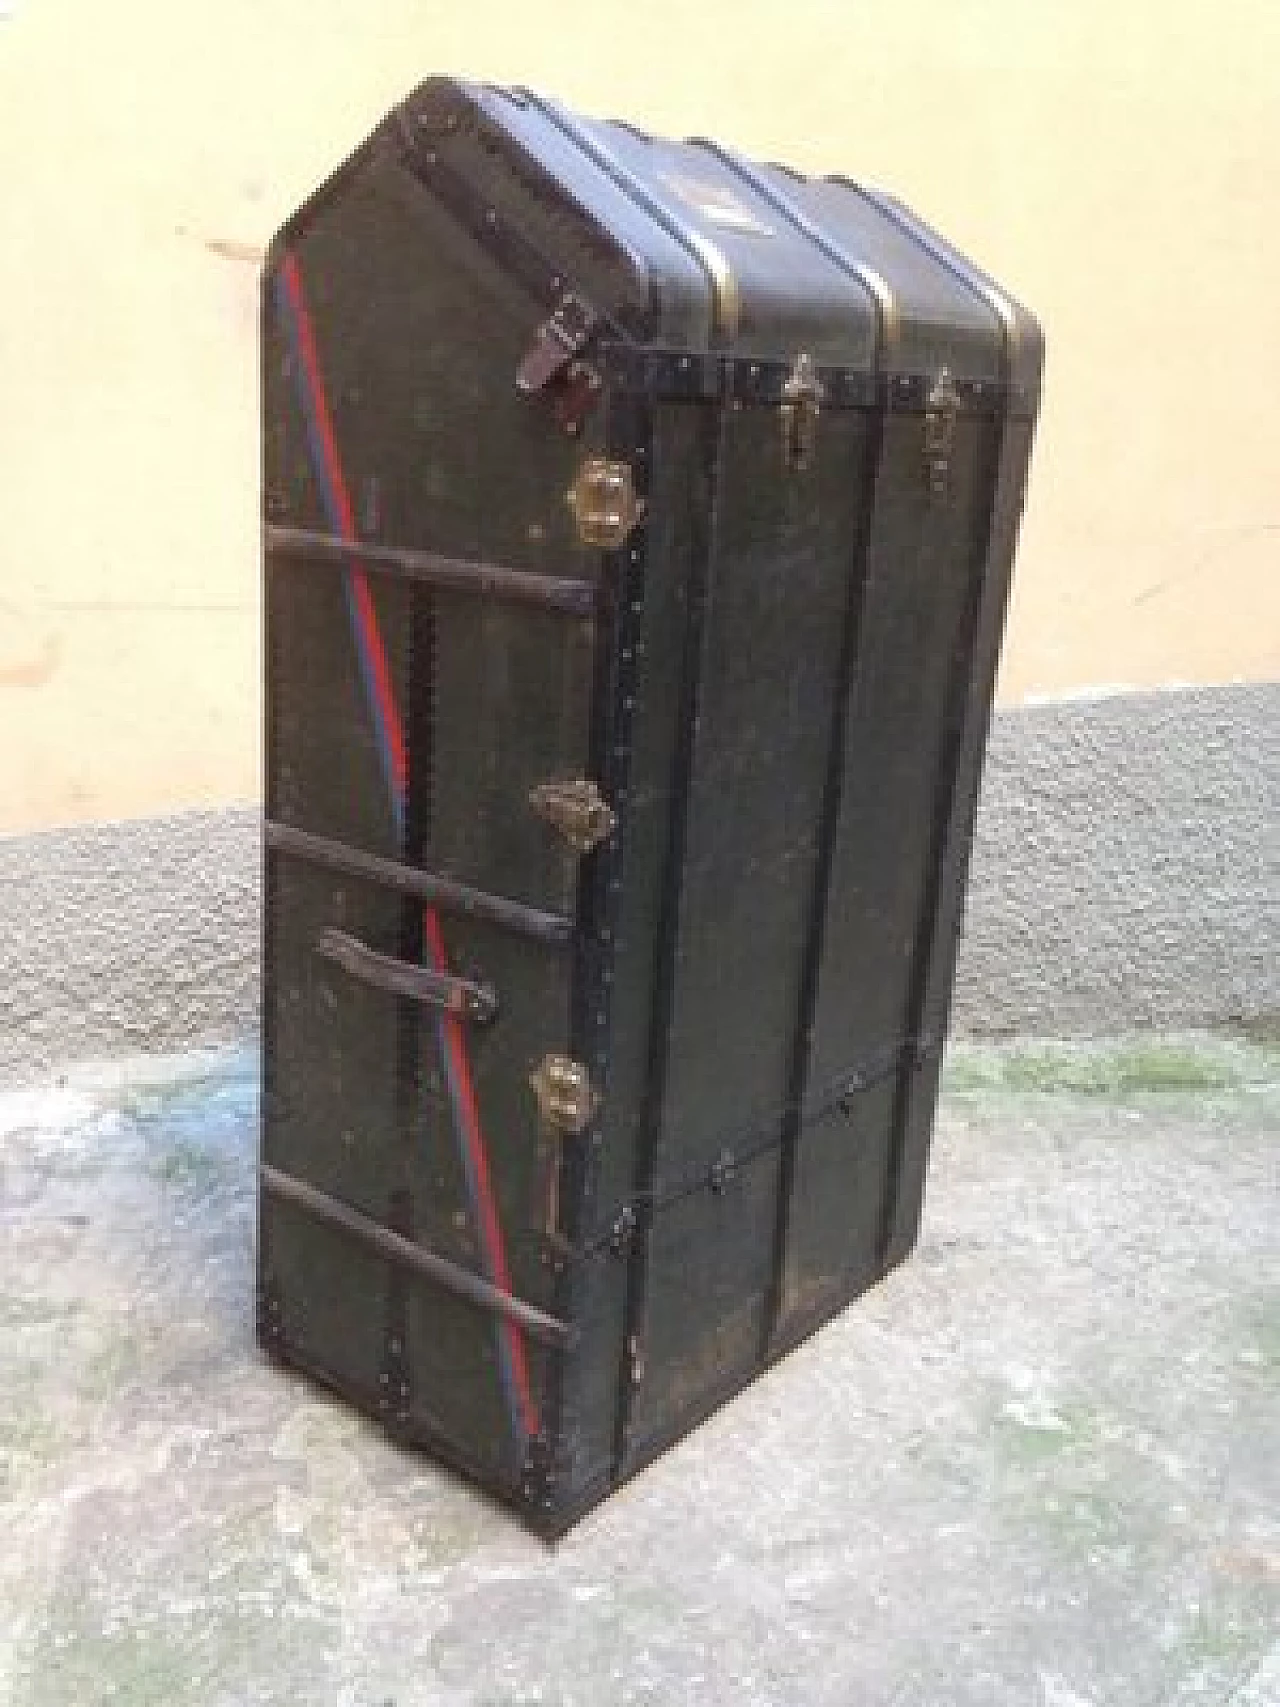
(802, 396)
(941, 410)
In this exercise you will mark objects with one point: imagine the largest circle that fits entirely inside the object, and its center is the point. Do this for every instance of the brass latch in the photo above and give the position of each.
(555, 362)
(577, 809)
(802, 396)
(941, 410)
(603, 499)
(566, 1100)
(556, 344)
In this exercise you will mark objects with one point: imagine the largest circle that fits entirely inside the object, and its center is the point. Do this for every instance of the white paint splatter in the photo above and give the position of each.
(1055, 1693)
(1035, 1413)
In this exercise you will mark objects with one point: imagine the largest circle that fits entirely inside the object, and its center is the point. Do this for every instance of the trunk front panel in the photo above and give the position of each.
(783, 569)
(925, 572)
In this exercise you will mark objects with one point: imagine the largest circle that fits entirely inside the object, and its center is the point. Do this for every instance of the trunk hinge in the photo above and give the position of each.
(553, 363)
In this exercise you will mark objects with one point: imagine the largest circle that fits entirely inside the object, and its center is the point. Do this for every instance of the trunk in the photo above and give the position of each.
(638, 529)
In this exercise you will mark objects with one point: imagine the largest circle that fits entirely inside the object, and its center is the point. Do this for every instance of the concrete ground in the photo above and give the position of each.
(1039, 1465)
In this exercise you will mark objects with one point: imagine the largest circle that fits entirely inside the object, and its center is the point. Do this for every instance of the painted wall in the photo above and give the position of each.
(1126, 875)
(1114, 166)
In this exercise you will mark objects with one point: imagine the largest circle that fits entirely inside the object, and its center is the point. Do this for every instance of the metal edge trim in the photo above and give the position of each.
(700, 376)
(422, 146)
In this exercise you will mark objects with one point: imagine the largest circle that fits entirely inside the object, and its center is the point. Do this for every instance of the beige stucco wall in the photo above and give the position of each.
(1118, 166)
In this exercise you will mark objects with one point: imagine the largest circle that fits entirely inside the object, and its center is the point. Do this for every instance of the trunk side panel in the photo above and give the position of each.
(417, 358)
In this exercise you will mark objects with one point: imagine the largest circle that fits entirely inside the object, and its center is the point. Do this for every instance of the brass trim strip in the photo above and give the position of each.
(723, 279)
(874, 283)
(710, 257)
(975, 282)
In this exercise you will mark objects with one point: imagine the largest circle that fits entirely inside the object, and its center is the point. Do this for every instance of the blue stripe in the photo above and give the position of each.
(506, 1368)
(333, 512)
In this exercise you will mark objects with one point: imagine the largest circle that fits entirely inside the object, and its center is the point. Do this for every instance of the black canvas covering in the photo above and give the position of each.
(571, 1124)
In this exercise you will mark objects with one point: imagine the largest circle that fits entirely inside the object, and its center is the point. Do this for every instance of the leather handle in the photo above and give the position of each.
(402, 978)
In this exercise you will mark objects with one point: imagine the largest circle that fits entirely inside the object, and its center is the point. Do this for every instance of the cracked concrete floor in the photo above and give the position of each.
(1041, 1464)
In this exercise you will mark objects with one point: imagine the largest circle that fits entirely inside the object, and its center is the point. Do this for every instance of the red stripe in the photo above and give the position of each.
(491, 1230)
(381, 679)
(455, 1042)
(367, 616)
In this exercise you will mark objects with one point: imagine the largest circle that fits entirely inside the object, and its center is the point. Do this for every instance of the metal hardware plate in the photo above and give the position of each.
(604, 501)
(566, 1100)
(577, 809)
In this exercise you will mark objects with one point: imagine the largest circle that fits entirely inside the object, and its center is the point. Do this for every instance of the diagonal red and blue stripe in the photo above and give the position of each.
(375, 673)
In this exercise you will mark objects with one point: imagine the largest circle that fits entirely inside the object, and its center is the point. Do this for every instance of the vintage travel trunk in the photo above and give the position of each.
(638, 526)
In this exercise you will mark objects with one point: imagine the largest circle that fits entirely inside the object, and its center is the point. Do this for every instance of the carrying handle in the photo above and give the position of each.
(402, 978)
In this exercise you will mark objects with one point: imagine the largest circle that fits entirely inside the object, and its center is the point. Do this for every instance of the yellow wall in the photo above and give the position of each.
(1115, 164)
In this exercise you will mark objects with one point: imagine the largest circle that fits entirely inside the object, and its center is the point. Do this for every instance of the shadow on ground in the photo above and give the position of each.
(1038, 1465)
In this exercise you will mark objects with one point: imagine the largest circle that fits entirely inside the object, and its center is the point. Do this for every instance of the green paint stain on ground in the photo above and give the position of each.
(1202, 1064)
(126, 1668)
(1260, 1334)
(1076, 1388)
(1224, 1637)
(188, 1164)
(29, 1442)
(1028, 1436)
